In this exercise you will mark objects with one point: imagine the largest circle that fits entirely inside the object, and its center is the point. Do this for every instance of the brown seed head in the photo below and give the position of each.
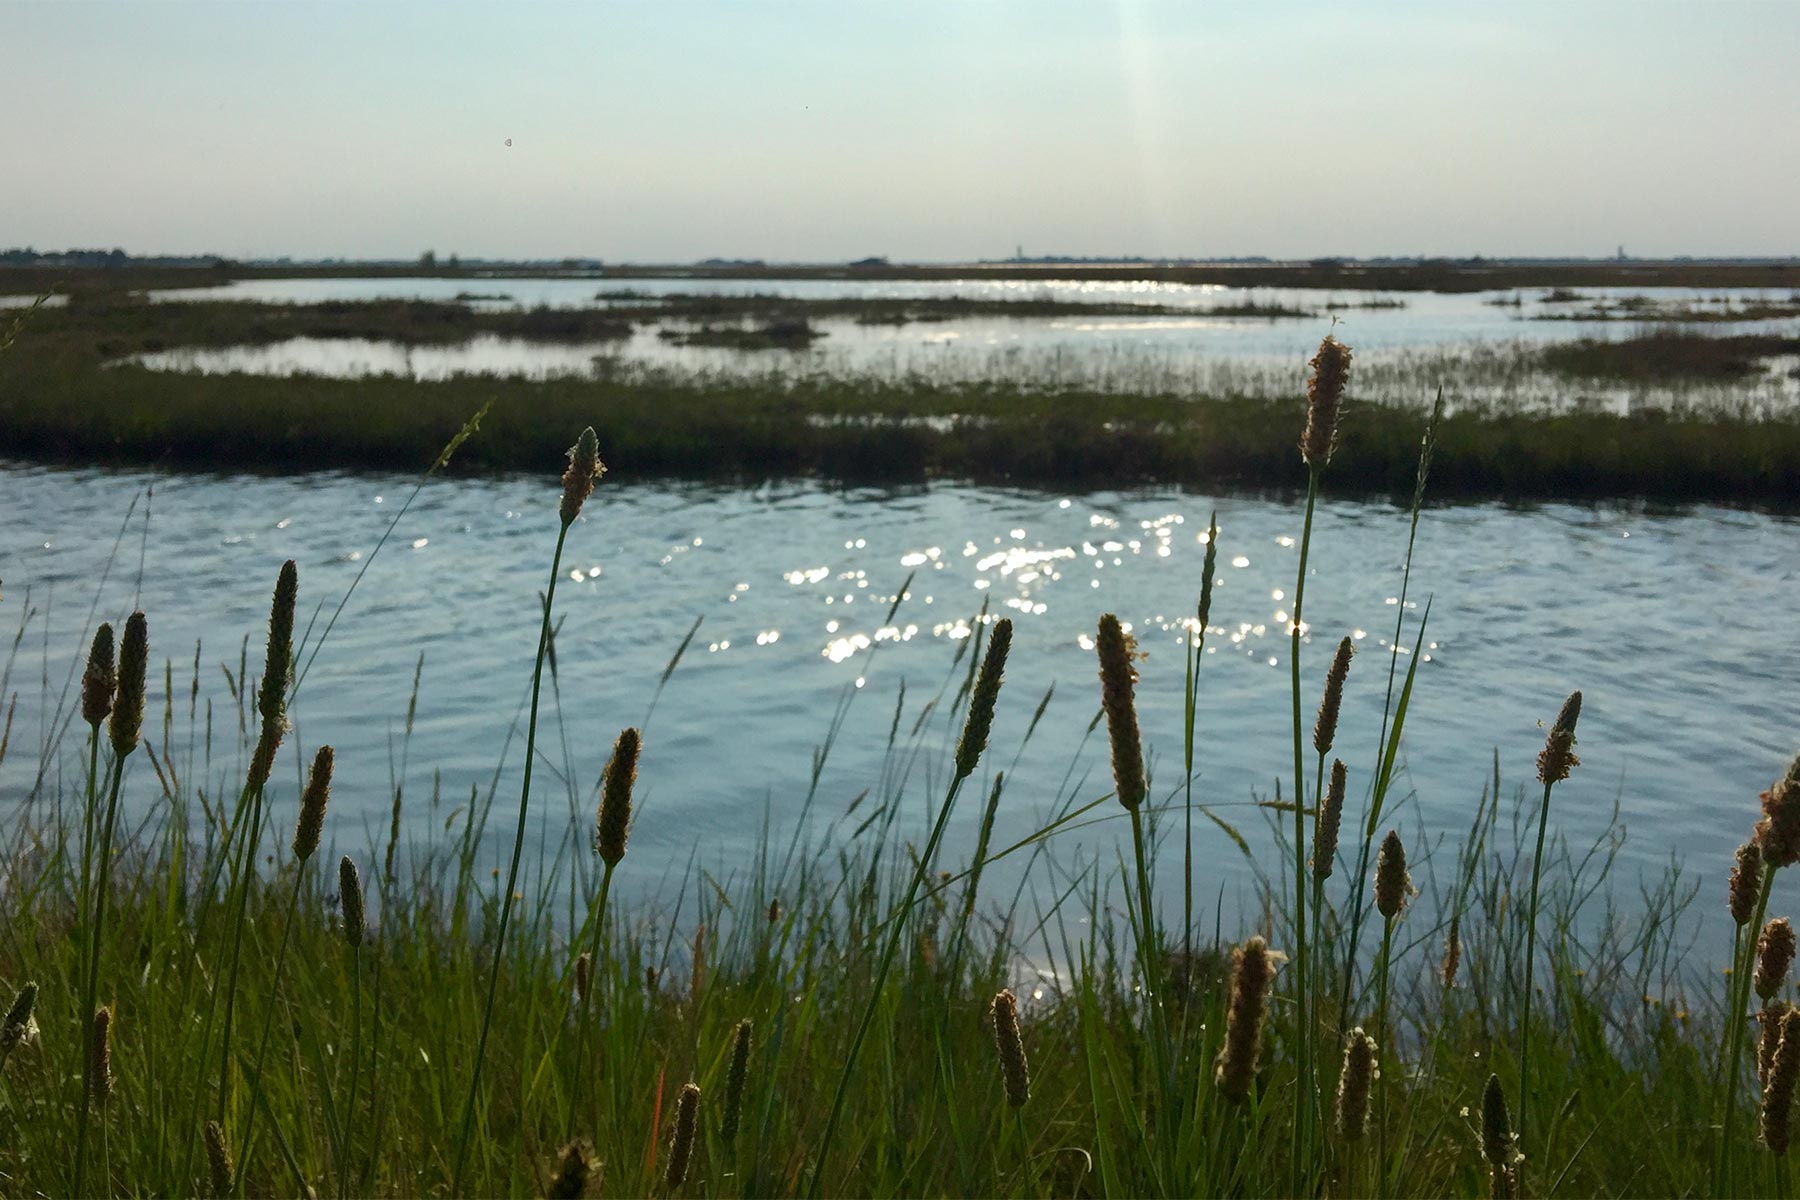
(735, 1078)
(574, 1167)
(128, 707)
(1774, 955)
(1324, 395)
(1331, 815)
(350, 900)
(1778, 833)
(1452, 951)
(100, 1076)
(1014, 1072)
(1117, 676)
(1393, 883)
(1325, 728)
(578, 480)
(1558, 754)
(1359, 1072)
(19, 1025)
(1746, 882)
(613, 824)
(100, 678)
(681, 1144)
(1253, 968)
(219, 1167)
(278, 661)
(1497, 1144)
(1778, 1092)
(312, 805)
(1769, 1030)
(262, 758)
(981, 702)
(774, 910)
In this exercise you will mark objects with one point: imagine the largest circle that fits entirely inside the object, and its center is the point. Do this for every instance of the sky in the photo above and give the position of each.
(670, 131)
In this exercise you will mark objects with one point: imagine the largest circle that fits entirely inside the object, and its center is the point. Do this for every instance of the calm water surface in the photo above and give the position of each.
(1680, 628)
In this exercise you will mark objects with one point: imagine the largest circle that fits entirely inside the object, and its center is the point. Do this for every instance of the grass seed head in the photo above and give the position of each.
(578, 480)
(574, 1167)
(1746, 882)
(1206, 574)
(128, 706)
(278, 660)
(1393, 883)
(981, 702)
(219, 1167)
(312, 805)
(20, 1025)
(1359, 1073)
(100, 678)
(1331, 816)
(584, 975)
(1778, 1092)
(681, 1144)
(1325, 728)
(735, 1078)
(613, 823)
(1769, 1037)
(1117, 677)
(350, 900)
(1778, 833)
(1558, 755)
(1253, 968)
(1497, 1143)
(1324, 396)
(100, 1076)
(697, 973)
(1774, 956)
(1452, 951)
(1014, 1072)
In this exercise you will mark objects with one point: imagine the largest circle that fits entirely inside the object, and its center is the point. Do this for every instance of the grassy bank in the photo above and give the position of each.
(857, 1012)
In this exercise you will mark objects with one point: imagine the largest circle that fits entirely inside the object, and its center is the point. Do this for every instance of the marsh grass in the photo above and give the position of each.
(865, 959)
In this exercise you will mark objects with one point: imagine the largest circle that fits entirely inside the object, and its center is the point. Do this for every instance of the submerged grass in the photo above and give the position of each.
(1069, 1043)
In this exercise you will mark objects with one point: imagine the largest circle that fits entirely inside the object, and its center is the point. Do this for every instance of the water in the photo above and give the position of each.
(1403, 353)
(1678, 626)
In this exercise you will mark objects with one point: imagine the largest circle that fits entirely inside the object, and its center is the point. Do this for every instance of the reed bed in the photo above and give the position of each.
(846, 1013)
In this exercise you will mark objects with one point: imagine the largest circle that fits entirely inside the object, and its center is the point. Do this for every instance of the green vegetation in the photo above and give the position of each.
(1008, 1047)
(1664, 354)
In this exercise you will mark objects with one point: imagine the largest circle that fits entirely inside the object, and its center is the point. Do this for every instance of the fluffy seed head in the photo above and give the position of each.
(1324, 395)
(1331, 815)
(1778, 833)
(1769, 1037)
(1393, 883)
(981, 702)
(128, 707)
(312, 805)
(578, 480)
(278, 661)
(100, 1076)
(1117, 677)
(1558, 754)
(350, 900)
(1014, 1072)
(219, 1167)
(613, 823)
(100, 678)
(19, 1024)
(681, 1144)
(1746, 882)
(1252, 970)
(1452, 951)
(1778, 1092)
(1774, 955)
(1354, 1080)
(1496, 1127)
(1325, 728)
(735, 1078)
(574, 1167)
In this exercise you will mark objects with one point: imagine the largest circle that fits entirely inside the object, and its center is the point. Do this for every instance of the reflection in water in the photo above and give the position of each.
(794, 583)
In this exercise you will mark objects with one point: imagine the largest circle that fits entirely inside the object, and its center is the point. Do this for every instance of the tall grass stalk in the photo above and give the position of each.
(578, 484)
(1196, 649)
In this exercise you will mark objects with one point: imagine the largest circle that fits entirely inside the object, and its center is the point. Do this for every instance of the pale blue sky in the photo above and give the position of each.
(813, 131)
